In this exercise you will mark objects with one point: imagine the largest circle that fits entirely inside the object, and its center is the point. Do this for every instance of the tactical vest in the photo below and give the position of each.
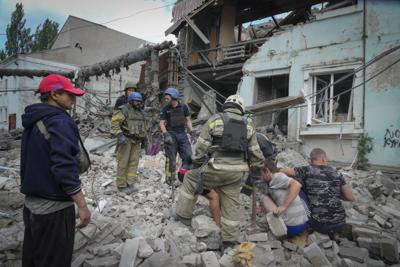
(176, 117)
(134, 125)
(234, 136)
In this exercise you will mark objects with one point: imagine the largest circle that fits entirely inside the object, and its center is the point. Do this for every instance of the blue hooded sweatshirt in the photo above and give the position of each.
(48, 167)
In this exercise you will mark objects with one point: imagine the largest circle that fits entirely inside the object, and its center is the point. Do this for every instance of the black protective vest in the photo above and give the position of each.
(234, 136)
(176, 117)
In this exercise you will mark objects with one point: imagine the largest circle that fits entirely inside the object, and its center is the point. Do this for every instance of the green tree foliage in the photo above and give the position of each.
(3, 54)
(19, 38)
(365, 146)
(45, 35)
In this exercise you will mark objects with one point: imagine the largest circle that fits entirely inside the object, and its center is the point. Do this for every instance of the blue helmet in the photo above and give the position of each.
(172, 92)
(135, 96)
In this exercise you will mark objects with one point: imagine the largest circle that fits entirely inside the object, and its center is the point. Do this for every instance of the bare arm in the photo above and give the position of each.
(347, 193)
(293, 191)
(189, 124)
(83, 211)
(162, 126)
(288, 171)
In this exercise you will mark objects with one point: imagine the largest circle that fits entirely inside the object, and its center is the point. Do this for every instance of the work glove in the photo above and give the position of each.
(122, 139)
(167, 139)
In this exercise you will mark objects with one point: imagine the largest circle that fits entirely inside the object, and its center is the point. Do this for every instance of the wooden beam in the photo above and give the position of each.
(275, 104)
(220, 68)
(177, 25)
(228, 74)
(98, 69)
(125, 60)
(251, 12)
(197, 30)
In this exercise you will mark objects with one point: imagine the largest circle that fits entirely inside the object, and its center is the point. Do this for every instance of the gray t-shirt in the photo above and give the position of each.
(295, 214)
(41, 206)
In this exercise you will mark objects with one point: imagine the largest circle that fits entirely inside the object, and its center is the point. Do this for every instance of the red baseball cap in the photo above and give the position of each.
(55, 82)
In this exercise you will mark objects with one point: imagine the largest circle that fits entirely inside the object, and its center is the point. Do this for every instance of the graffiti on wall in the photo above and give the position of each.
(392, 138)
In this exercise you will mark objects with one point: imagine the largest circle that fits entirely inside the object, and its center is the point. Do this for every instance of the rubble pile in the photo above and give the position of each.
(138, 230)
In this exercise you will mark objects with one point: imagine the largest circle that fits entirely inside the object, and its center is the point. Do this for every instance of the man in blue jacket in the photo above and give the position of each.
(50, 175)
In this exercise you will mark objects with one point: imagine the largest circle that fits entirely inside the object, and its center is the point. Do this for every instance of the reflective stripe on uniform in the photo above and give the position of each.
(216, 122)
(229, 222)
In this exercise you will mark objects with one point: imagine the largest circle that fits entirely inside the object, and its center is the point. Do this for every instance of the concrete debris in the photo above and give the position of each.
(145, 250)
(277, 225)
(258, 237)
(354, 253)
(192, 260)
(109, 261)
(262, 257)
(129, 253)
(206, 231)
(179, 239)
(209, 259)
(137, 230)
(315, 255)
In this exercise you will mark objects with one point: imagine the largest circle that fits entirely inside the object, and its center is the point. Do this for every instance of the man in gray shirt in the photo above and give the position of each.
(284, 192)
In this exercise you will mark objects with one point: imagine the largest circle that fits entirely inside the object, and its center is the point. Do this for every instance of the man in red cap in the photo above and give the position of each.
(50, 175)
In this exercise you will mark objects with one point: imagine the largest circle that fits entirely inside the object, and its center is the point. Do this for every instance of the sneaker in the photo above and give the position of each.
(187, 222)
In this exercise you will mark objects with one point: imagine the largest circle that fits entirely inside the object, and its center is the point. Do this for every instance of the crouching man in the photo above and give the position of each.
(325, 188)
(286, 202)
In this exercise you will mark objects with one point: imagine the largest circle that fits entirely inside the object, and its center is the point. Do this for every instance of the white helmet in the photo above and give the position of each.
(236, 99)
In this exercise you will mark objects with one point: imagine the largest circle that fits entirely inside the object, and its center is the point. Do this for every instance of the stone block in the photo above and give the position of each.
(318, 238)
(262, 257)
(110, 261)
(209, 259)
(129, 253)
(375, 263)
(290, 246)
(354, 253)
(276, 225)
(275, 244)
(389, 249)
(315, 255)
(84, 235)
(104, 250)
(350, 263)
(159, 259)
(226, 261)
(144, 250)
(364, 242)
(78, 261)
(258, 237)
(206, 231)
(279, 255)
(179, 238)
(192, 260)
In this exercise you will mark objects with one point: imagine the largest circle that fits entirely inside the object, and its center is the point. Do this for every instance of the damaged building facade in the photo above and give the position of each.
(310, 49)
(79, 43)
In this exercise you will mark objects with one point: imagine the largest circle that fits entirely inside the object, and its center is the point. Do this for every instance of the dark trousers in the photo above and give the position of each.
(182, 146)
(326, 228)
(49, 239)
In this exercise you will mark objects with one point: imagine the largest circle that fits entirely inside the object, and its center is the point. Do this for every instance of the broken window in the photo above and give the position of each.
(269, 88)
(333, 100)
(332, 5)
(3, 114)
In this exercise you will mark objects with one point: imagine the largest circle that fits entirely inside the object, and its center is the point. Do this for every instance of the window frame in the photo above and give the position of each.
(353, 126)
